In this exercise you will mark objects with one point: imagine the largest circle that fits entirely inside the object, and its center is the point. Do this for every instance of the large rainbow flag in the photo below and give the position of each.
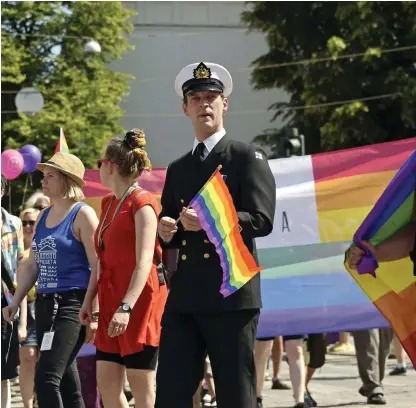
(321, 201)
(218, 217)
(391, 286)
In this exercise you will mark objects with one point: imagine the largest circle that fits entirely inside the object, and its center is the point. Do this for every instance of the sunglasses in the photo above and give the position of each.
(101, 161)
(40, 207)
(31, 223)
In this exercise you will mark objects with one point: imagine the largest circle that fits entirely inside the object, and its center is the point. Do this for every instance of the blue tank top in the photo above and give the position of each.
(61, 258)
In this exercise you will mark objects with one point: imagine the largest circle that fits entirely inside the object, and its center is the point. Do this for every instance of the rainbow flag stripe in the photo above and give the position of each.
(392, 290)
(218, 218)
(62, 145)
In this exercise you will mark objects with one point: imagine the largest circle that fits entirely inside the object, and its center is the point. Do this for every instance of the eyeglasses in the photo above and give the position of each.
(101, 161)
(31, 223)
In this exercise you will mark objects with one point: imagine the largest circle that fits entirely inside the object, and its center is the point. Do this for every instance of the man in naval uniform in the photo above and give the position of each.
(198, 319)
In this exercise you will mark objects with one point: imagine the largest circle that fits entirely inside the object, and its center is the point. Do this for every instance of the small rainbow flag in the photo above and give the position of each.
(392, 290)
(218, 217)
(62, 145)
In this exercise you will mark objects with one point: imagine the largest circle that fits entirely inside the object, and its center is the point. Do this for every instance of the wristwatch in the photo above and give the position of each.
(125, 307)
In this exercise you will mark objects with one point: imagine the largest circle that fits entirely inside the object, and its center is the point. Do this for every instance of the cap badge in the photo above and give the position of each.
(202, 71)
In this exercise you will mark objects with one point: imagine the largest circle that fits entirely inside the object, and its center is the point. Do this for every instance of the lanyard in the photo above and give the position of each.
(55, 309)
(102, 227)
(10, 342)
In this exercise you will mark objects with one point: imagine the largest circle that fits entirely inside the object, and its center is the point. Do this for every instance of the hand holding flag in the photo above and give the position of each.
(391, 286)
(356, 254)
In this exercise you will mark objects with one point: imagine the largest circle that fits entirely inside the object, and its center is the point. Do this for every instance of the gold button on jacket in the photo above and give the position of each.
(183, 257)
(206, 256)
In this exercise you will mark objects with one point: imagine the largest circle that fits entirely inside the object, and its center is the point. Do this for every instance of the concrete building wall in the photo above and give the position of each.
(170, 35)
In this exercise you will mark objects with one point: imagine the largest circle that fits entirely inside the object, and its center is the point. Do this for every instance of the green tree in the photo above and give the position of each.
(43, 47)
(312, 31)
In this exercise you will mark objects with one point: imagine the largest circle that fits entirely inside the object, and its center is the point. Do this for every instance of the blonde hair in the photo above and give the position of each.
(31, 201)
(70, 189)
(28, 211)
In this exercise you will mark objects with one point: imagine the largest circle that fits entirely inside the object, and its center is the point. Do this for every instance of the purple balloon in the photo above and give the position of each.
(32, 156)
(12, 164)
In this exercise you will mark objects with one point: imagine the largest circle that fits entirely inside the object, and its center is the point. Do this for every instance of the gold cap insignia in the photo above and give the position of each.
(202, 71)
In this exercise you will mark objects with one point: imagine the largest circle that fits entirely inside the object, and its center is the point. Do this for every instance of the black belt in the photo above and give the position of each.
(61, 295)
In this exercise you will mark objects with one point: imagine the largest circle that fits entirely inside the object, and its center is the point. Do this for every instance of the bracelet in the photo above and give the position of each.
(95, 316)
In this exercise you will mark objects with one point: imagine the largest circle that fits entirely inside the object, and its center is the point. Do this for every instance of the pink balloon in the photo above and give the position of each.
(12, 163)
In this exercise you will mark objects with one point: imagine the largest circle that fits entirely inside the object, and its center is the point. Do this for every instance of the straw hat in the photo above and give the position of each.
(67, 164)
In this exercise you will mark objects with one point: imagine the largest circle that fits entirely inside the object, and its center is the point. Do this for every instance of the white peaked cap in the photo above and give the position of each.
(203, 76)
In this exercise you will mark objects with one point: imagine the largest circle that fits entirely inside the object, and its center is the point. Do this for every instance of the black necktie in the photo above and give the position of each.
(199, 152)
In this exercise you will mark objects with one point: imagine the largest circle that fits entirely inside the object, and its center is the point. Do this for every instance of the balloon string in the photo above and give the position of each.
(10, 197)
(25, 189)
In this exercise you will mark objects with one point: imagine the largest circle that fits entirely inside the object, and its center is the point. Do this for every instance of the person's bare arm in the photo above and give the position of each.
(26, 279)
(145, 222)
(86, 224)
(398, 246)
(22, 328)
(23, 304)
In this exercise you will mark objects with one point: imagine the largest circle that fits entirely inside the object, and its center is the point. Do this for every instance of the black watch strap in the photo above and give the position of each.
(125, 307)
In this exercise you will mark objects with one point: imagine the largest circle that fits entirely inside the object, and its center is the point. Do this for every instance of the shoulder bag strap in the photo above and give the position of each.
(161, 270)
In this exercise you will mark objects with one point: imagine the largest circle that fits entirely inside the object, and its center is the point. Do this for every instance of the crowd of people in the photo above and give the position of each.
(371, 347)
(69, 278)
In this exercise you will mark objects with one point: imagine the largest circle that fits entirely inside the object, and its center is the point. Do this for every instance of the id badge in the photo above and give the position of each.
(47, 341)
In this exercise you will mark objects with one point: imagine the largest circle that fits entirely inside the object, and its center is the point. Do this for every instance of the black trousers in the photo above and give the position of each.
(9, 347)
(57, 380)
(317, 350)
(228, 337)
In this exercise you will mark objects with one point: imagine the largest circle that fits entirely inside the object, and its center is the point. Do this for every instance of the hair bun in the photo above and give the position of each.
(143, 156)
(135, 138)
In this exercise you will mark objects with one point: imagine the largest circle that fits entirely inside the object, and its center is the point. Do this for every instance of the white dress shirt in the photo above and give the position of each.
(209, 142)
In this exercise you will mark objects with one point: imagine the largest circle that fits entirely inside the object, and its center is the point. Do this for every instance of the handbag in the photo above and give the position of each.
(162, 273)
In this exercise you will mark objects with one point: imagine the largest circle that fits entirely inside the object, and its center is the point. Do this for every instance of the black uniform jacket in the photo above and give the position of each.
(196, 283)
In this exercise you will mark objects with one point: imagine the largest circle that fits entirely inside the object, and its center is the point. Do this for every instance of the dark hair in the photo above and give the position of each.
(129, 154)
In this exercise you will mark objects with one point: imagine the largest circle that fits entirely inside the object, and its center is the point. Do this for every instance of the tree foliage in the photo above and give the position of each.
(43, 47)
(312, 31)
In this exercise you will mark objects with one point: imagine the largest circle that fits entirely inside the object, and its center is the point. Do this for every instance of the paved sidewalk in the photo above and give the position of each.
(336, 385)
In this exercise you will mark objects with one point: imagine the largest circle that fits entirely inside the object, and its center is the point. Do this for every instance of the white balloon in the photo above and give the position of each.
(29, 100)
(92, 46)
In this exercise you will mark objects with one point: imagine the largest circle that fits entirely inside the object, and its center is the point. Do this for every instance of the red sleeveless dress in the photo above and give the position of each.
(117, 262)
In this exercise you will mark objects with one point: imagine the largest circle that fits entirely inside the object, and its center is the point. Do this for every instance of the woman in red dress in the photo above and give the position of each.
(131, 298)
